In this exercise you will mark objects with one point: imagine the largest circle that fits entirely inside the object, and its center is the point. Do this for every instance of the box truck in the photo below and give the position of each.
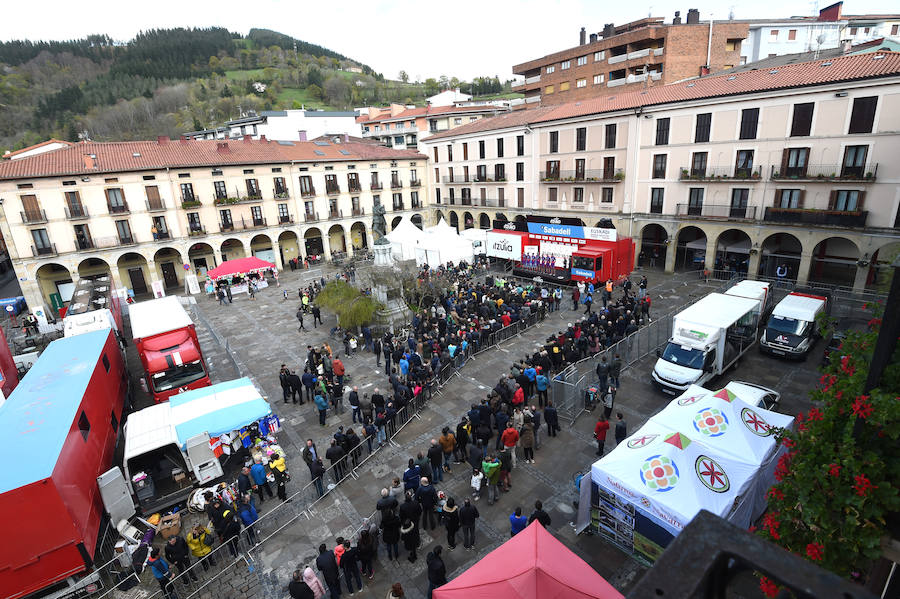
(62, 423)
(168, 346)
(167, 446)
(708, 337)
(95, 305)
(791, 331)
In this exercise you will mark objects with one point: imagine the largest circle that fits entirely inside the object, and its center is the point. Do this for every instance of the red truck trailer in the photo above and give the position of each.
(62, 423)
(9, 374)
(168, 346)
(561, 251)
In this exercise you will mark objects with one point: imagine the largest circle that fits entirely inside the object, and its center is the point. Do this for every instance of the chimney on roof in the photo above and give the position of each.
(693, 16)
(346, 137)
(593, 38)
(581, 37)
(88, 160)
(831, 13)
(263, 139)
(302, 135)
(162, 139)
(677, 19)
(247, 139)
(183, 139)
(609, 30)
(846, 46)
(222, 147)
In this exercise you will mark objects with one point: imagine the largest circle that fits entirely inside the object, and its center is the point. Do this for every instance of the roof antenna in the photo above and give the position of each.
(731, 13)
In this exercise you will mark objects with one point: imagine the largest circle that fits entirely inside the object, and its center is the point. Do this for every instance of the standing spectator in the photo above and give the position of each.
(437, 571)
(336, 455)
(424, 465)
(468, 513)
(310, 454)
(396, 591)
(279, 471)
(517, 522)
(366, 550)
(427, 498)
(539, 514)
(600, 430)
(410, 510)
(387, 503)
(258, 474)
(510, 438)
(317, 315)
(313, 582)
(527, 438)
(477, 482)
(162, 574)
(552, 419)
(451, 521)
(505, 468)
(491, 468)
(244, 482)
(390, 534)
(230, 528)
(410, 535)
(317, 472)
(621, 428)
(642, 287)
(200, 541)
(300, 320)
(322, 406)
(536, 426)
(248, 514)
(615, 369)
(350, 565)
(376, 349)
(448, 444)
(609, 399)
(411, 476)
(353, 400)
(462, 440)
(178, 554)
(436, 458)
(297, 588)
(602, 372)
(541, 383)
(327, 565)
(338, 368)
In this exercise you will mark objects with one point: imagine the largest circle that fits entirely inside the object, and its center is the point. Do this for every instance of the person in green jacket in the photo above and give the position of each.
(491, 468)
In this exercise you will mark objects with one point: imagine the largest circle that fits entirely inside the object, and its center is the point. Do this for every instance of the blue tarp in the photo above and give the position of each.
(36, 418)
(217, 409)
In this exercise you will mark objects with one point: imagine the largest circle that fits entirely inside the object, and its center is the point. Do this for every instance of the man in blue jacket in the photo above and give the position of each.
(258, 474)
(162, 574)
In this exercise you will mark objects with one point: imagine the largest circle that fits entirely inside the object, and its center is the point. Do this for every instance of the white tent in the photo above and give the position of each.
(705, 450)
(404, 239)
(443, 244)
(478, 237)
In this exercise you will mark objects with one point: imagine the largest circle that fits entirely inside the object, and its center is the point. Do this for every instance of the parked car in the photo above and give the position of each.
(762, 397)
(835, 339)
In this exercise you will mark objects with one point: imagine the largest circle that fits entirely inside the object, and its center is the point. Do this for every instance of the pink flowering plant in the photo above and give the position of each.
(837, 483)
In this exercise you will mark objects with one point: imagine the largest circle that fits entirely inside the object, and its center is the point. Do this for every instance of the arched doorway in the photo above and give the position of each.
(133, 272)
(261, 247)
(169, 267)
(690, 249)
(416, 219)
(484, 221)
(778, 249)
(500, 217)
(312, 241)
(90, 267)
(358, 238)
(881, 273)
(521, 218)
(55, 285)
(653, 245)
(233, 249)
(438, 215)
(834, 262)
(202, 257)
(468, 220)
(732, 251)
(454, 221)
(336, 240)
(395, 221)
(288, 246)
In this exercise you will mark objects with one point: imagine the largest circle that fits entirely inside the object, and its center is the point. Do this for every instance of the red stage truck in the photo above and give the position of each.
(167, 343)
(61, 426)
(561, 251)
(95, 305)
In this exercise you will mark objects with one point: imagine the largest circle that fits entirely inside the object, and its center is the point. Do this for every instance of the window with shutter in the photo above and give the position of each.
(802, 121)
(862, 117)
(749, 121)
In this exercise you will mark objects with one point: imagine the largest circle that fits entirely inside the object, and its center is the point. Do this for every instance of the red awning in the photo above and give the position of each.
(531, 565)
(239, 266)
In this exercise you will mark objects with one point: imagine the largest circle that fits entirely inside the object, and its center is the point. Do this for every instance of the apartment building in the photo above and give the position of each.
(292, 125)
(402, 127)
(636, 55)
(155, 210)
(794, 165)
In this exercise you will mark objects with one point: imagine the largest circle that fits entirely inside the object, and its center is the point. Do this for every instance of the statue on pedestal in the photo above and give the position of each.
(379, 225)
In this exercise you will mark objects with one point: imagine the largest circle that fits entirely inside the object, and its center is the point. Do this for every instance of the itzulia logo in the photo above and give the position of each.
(503, 246)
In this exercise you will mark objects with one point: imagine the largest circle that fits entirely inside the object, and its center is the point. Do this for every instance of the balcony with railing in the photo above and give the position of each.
(722, 174)
(716, 211)
(617, 82)
(310, 217)
(332, 190)
(804, 216)
(384, 131)
(826, 173)
(155, 205)
(376, 186)
(583, 177)
(354, 188)
(415, 183)
(225, 226)
(456, 179)
(492, 202)
(617, 59)
(118, 208)
(196, 230)
(193, 201)
(360, 211)
(396, 183)
(254, 223)
(47, 250)
(281, 194)
(75, 212)
(246, 199)
(84, 242)
(487, 179)
(399, 205)
(335, 213)
(532, 99)
(285, 219)
(33, 217)
(128, 240)
(308, 193)
(162, 235)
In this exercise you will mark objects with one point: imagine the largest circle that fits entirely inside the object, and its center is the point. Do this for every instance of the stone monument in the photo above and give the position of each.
(382, 247)
(395, 312)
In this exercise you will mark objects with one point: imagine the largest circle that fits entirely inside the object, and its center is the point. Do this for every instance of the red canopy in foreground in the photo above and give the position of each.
(238, 267)
(531, 565)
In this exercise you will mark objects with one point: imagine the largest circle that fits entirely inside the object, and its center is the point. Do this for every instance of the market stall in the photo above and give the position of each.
(706, 450)
(239, 272)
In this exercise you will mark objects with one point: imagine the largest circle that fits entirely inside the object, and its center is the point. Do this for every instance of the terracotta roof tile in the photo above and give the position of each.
(36, 146)
(426, 111)
(819, 72)
(111, 157)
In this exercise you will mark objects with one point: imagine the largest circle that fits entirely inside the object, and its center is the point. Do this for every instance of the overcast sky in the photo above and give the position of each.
(462, 38)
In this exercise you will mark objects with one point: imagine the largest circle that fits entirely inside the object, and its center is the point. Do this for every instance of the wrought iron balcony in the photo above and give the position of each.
(801, 216)
(33, 217)
(281, 194)
(375, 186)
(311, 217)
(155, 205)
(285, 219)
(335, 213)
(826, 173)
(717, 211)
(396, 183)
(119, 209)
(49, 250)
(358, 211)
(486, 179)
(308, 193)
(587, 176)
(196, 230)
(722, 174)
(415, 183)
(74, 212)
(332, 190)
(84, 243)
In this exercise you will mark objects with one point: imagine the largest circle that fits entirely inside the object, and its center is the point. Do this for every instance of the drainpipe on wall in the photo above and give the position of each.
(709, 43)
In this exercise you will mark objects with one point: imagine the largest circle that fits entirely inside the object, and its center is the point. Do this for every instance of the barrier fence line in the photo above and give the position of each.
(303, 502)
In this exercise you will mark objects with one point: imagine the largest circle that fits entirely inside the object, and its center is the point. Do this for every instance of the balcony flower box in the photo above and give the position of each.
(226, 201)
(190, 204)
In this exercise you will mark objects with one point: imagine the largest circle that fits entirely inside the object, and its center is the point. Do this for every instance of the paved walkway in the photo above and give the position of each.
(263, 334)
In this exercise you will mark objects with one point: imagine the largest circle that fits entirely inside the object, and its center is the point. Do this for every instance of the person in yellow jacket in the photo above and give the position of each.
(279, 470)
(200, 542)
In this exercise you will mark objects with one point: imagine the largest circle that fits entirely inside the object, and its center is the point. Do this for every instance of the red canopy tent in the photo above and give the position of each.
(240, 266)
(531, 565)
